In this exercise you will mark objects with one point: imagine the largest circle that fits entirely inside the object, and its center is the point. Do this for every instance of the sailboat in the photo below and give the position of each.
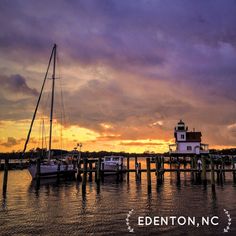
(50, 167)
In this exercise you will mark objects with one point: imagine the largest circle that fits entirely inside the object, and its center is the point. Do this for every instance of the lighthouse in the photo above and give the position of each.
(187, 142)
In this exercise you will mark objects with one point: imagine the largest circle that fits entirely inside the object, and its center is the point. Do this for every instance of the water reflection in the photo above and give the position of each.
(4, 202)
(83, 202)
(51, 207)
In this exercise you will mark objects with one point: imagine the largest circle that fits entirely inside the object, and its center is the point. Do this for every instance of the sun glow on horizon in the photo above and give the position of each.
(13, 135)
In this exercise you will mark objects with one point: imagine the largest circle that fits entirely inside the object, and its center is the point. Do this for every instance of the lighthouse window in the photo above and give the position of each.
(189, 148)
(182, 136)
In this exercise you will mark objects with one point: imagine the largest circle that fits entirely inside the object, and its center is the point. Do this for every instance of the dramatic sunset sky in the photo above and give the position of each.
(129, 71)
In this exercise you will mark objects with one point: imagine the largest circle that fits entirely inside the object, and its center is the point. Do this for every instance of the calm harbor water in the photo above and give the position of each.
(60, 208)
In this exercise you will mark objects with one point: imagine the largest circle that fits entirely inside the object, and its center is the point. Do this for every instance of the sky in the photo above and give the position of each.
(128, 72)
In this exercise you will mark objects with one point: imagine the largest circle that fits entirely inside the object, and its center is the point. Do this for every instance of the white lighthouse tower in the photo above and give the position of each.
(187, 142)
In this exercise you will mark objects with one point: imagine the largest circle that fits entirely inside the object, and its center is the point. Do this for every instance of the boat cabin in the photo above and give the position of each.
(113, 160)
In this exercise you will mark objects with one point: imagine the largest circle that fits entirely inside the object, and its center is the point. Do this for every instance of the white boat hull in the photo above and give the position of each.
(49, 170)
(113, 168)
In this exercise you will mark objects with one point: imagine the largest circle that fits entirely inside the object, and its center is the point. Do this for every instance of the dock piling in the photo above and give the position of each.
(127, 169)
(90, 171)
(192, 166)
(217, 174)
(5, 177)
(79, 170)
(96, 166)
(117, 173)
(212, 175)
(121, 172)
(99, 170)
(178, 174)
(102, 171)
(84, 179)
(233, 168)
(38, 169)
(234, 176)
(58, 170)
(148, 175)
(136, 168)
(140, 171)
(162, 167)
(223, 167)
(196, 177)
(204, 179)
(158, 163)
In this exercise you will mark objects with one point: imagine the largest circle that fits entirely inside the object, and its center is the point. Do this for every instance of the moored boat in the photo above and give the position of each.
(49, 166)
(52, 169)
(113, 163)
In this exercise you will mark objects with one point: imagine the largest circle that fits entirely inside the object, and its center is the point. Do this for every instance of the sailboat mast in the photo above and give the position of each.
(42, 136)
(36, 108)
(52, 100)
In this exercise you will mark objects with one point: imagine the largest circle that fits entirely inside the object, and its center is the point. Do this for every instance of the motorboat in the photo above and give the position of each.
(113, 163)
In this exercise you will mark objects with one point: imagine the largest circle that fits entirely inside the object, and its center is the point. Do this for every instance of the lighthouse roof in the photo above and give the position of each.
(193, 136)
(180, 122)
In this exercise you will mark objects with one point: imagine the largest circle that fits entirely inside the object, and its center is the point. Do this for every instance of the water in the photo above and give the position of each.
(62, 209)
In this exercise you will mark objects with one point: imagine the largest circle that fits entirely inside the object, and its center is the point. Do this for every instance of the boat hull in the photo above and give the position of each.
(112, 168)
(51, 170)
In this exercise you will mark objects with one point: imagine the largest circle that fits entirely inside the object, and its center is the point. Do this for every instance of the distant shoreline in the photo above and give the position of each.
(14, 155)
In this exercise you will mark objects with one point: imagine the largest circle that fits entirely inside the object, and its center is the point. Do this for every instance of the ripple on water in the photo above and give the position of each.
(62, 208)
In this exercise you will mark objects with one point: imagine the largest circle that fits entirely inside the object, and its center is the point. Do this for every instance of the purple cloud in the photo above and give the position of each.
(169, 60)
(17, 84)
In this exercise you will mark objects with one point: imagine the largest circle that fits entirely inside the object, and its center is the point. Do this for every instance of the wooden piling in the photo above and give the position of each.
(139, 171)
(136, 168)
(99, 170)
(96, 166)
(220, 174)
(84, 179)
(158, 166)
(148, 175)
(162, 162)
(204, 178)
(121, 172)
(127, 169)
(196, 177)
(102, 171)
(162, 167)
(192, 167)
(58, 169)
(184, 162)
(5, 177)
(79, 170)
(117, 173)
(212, 174)
(223, 168)
(217, 174)
(233, 168)
(90, 171)
(178, 173)
(234, 176)
(38, 169)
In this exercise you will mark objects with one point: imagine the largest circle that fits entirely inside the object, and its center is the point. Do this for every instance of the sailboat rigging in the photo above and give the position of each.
(51, 167)
(52, 100)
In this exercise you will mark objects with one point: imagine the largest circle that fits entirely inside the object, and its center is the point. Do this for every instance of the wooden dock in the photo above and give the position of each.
(198, 174)
(89, 168)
